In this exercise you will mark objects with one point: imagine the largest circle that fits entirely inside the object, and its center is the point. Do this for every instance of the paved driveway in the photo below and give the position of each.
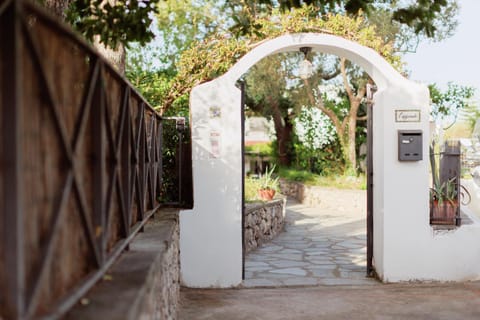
(384, 302)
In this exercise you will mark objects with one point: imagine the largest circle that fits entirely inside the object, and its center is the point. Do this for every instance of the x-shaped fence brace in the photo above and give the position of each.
(130, 154)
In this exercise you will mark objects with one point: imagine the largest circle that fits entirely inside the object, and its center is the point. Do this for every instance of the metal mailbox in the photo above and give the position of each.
(410, 145)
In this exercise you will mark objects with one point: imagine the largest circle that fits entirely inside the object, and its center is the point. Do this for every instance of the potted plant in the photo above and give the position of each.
(268, 185)
(444, 202)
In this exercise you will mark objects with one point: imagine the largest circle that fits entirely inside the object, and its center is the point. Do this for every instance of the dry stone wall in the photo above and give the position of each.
(263, 221)
(145, 281)
(308, 195)
(324, 197)
(162, 298)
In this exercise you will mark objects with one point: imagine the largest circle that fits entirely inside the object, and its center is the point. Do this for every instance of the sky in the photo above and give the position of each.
(455, 59)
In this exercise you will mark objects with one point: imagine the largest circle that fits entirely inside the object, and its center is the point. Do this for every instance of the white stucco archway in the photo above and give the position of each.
(405, 247)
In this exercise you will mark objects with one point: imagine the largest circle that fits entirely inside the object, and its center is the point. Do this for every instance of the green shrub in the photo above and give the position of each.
(297, 175)
(333, 180)
(252, 185)
(262, 149)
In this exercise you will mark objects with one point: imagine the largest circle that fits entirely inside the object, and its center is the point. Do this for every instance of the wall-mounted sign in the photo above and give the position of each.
(407, 116)
(215, 145)
(215, 112)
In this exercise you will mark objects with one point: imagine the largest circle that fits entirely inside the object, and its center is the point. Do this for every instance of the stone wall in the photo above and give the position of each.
(263, 221)
(290, 188)
(144, 282)
(325, 197)
(308, 195)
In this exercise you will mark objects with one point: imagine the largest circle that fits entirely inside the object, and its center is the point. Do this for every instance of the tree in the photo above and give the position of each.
(271, 89)
(424, 17)
(114, 21)
(58, 7)
(399, 27)
(151, 82)
(181, 22)
(109, 24)
(397, 24)
(447, 103)
(216, 43)
(267, 95)
(316, 143)
(471, 114)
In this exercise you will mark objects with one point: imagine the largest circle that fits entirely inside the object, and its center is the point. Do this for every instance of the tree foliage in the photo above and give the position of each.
(470, 114)
(268, 95)
(315, 143)
(447, 103)
(216, 34)
(181, 22)
(424, 17)
(117, 21)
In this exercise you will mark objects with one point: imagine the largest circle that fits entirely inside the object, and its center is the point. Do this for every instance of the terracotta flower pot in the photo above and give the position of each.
(444, 213)
(266, 194)
(450, 210)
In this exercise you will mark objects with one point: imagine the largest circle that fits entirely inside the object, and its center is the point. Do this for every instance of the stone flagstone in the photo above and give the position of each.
(318, 247)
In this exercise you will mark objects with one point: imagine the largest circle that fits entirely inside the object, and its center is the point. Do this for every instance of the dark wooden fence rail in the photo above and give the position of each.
(81, 164)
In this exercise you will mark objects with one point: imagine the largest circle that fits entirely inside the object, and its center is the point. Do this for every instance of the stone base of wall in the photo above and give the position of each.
(312, 196)
(144, 282)
(263, 221)
(324, 197)
(291, 189)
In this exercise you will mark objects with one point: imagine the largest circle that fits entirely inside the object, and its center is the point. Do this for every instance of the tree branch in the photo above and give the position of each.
(321, 106)
(361, 93)
(330, 76)
(347, 86)
(276, 114)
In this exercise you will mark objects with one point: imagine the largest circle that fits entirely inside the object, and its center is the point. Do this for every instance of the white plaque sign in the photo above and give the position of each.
(407, 115)
(215, 145)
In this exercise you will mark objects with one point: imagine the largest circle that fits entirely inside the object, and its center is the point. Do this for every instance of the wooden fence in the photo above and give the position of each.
(81, 164)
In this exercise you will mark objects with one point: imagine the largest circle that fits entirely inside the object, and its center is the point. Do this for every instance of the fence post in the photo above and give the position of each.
(450, 169)
(11, 50)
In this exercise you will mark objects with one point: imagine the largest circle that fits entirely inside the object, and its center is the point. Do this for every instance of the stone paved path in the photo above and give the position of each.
(325, 245)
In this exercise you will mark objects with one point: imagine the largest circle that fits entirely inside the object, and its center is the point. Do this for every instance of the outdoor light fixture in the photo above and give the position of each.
(306, 67)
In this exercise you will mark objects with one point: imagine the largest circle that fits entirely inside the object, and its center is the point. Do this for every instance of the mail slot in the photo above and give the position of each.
(410, 145)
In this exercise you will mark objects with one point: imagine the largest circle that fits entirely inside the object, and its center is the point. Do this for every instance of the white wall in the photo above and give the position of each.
(210, 234)
(405, 247)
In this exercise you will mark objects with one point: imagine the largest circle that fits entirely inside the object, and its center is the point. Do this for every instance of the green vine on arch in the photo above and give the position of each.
(210, 58)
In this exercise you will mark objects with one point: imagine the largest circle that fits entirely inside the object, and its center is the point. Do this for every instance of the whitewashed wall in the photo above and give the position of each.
(405, 247)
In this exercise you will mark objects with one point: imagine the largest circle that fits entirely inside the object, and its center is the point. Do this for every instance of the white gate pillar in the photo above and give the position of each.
(401, 197)
(210, 234)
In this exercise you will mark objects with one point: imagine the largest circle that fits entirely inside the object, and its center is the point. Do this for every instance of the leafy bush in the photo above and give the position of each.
(252, 185)
(263, 149)
(297, 175)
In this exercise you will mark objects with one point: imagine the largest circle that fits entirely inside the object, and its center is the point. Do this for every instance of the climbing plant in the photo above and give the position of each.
(213, 56)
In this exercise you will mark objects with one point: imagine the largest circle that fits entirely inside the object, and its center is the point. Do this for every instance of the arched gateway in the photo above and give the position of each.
(405, 247)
